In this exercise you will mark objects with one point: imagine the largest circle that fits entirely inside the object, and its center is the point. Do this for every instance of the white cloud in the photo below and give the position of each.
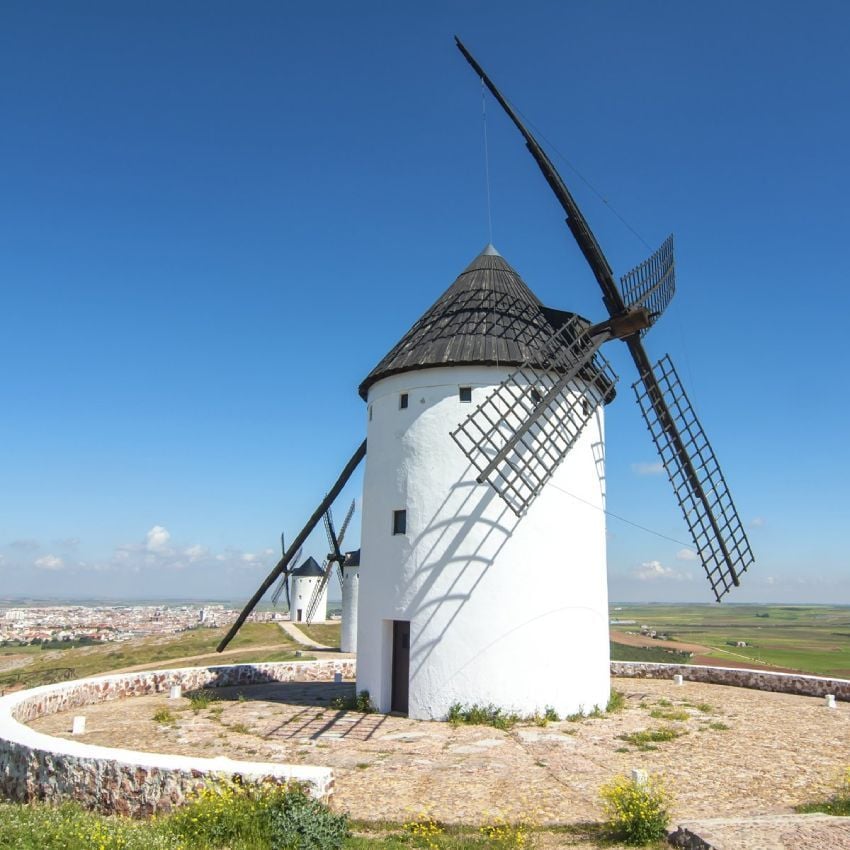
(648, 468)
(758, 522)
(650, 570)
(196, 552)
(248, 557)
(687, 555)
(156, 540)
(49, 562)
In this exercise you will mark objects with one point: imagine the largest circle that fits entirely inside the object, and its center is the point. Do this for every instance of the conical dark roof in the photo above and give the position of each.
(310, 567)
(488, 316)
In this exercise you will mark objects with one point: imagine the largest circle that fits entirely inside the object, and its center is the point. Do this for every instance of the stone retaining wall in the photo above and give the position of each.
(760, 680)
(34, 766)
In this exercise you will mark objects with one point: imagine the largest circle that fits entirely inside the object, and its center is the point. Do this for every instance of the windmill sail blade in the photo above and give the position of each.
(328, 520)
(652, 283)
(345, 523)
(284, 579)
(520, 433)
(317, 593)
(692, 468)
(346, 473)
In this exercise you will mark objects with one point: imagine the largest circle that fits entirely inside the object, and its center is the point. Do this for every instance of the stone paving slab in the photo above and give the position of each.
(740, 752)
(768, 832)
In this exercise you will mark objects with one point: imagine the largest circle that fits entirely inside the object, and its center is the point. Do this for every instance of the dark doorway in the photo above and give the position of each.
(299, 614)
(401, 665)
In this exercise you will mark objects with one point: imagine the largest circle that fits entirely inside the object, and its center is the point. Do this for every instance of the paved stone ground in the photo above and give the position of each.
(774, 832)
(741, 752)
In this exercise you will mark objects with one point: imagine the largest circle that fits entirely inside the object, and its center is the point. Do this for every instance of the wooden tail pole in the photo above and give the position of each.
(296, 543)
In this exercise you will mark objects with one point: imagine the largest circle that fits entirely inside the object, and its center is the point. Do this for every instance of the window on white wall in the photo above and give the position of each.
(402, 401)
(465, 394)
(399, 522)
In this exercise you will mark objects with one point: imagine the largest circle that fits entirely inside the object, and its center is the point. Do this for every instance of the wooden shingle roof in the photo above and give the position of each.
(488, 316)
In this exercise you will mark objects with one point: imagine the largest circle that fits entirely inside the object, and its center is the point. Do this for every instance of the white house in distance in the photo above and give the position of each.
(462, 600)
(304, 581)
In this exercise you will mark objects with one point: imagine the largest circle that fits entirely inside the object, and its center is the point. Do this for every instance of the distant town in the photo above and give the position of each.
(88, 624)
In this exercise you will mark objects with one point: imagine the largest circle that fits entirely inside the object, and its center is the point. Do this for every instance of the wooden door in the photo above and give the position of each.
(401, 665)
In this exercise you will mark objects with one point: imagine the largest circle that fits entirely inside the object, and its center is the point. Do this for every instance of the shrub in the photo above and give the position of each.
(359, 702)
(482, 715)
(637, 812)
(616, 702)
(284, 817)
(164, 717)
(202, 699)
(296, 820)
(503, 834)
(551, 715)
(424, 831)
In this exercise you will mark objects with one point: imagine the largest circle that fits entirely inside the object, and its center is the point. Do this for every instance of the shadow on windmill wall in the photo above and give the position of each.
(446, 532)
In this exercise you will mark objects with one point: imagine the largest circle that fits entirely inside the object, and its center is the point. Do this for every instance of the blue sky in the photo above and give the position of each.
(216, 218)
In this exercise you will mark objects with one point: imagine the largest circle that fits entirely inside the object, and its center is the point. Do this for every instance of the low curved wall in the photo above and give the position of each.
(34, 766)
(760, 680)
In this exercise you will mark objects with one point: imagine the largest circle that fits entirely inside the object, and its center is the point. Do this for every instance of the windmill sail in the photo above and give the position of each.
(699, 485)
(652, 283)
(520, 433)
(282, 564)
(335, 556)
(709, 512)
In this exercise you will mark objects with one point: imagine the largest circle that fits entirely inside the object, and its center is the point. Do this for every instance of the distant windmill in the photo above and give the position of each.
(283, 584)
(335, 556)
(451, 608)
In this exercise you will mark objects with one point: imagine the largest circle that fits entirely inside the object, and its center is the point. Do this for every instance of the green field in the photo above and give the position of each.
(324, 633)
(54, 665)
(811, 638)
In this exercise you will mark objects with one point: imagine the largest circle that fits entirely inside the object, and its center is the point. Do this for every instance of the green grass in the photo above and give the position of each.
(669, 714)
(647, 738)
(156, 652)
(811, 638)
(243, 824)
(482, 715)
(647, 654)
(324, 633)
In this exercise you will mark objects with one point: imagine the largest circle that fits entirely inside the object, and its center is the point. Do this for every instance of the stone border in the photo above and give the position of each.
(34, 766)
(739, 677)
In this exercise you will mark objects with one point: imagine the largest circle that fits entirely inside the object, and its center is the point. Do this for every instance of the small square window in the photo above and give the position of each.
(402, 401)
(399, 522)
(465, 394)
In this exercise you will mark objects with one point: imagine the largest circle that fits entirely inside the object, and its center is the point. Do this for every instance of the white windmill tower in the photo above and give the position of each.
(486, 575)
(309, 593)
(463, 600)
(350, 601)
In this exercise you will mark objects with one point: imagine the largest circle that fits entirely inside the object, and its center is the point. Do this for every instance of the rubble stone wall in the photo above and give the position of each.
(34, 766)
(760, 680)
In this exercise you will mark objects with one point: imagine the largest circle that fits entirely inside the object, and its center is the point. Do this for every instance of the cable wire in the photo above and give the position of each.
(688, 546)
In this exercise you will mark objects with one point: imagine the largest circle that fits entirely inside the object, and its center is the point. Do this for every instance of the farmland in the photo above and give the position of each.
(811, 638)
(255, 642)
